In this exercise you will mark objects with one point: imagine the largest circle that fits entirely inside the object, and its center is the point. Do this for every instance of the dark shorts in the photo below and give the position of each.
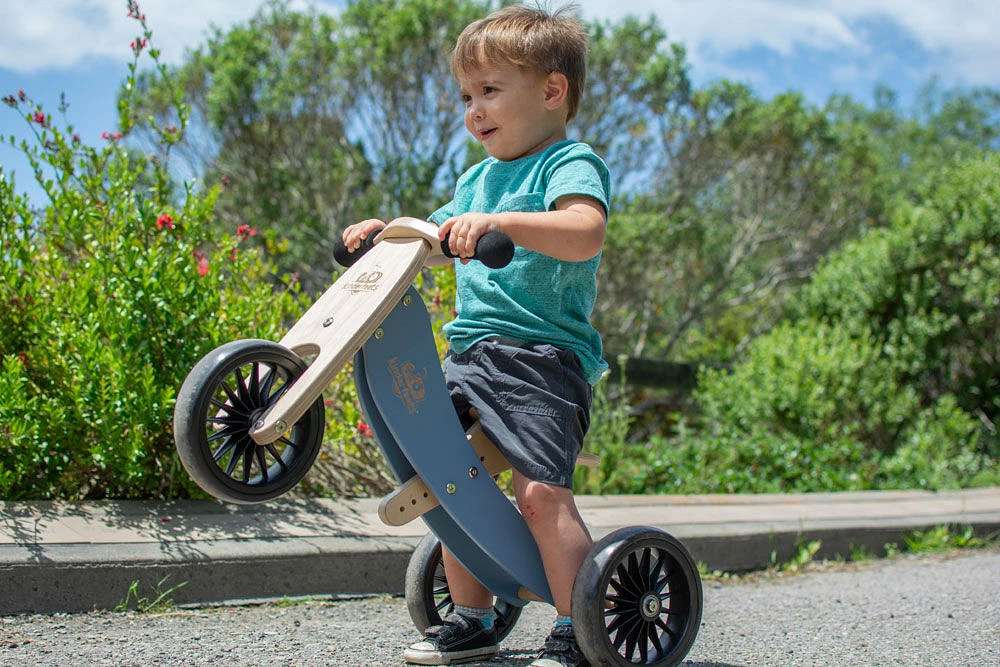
(532, 400)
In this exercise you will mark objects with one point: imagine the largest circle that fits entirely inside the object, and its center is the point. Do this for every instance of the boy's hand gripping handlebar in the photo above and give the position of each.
(494, 249)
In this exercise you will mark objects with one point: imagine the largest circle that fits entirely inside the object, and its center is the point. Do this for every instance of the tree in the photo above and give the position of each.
(269, 118)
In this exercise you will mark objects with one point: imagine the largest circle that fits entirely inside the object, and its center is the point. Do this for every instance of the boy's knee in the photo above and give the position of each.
(538, 501)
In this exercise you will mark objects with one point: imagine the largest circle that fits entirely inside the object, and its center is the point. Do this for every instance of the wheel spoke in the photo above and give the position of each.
(654, 637)
(247, 456)
(273, 451)
(241, 387)
(285, 441)
(234, 403)
(265, 387)
(661, 566)
(224, 449)
(666, 628)
(228, 407)
(258, 453)
(254, 387)
(622, 584)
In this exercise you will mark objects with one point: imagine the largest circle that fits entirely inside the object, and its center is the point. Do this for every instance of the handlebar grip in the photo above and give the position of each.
(494, 249)
(345, 257)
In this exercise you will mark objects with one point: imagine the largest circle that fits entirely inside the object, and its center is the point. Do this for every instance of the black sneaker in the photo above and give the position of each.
(561, 650)
(459, 639)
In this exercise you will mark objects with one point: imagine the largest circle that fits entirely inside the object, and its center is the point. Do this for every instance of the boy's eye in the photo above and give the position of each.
(488, 89)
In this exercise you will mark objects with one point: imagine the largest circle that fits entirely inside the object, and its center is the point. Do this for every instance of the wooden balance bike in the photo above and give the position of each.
(249, 422)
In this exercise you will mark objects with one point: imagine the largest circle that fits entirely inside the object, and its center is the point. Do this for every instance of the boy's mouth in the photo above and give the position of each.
(486, 134)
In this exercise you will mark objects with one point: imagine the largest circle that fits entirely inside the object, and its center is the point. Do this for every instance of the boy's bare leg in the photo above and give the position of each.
(466, 591)
(559, 530)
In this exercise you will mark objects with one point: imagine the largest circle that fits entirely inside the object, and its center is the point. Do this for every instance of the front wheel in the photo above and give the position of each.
(637, 599)
(217, 407)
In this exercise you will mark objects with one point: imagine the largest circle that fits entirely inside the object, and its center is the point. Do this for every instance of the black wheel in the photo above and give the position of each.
(637, 599)
(428, 598)
(216, 408)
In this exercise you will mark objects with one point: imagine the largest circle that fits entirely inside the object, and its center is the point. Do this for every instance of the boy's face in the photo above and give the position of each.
(507, 110)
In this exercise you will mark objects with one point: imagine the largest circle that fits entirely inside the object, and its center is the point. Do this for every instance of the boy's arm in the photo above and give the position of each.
(573, 231)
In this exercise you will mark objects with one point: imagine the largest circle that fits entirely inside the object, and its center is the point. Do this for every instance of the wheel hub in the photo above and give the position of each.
(650, 607)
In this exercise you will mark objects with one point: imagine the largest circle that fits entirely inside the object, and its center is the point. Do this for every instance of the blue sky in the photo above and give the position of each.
(80, 47)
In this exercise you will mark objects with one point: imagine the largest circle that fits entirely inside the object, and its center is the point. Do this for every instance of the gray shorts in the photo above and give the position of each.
(532, 400)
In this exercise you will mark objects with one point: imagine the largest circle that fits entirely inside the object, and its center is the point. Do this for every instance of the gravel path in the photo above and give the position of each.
(926, 610)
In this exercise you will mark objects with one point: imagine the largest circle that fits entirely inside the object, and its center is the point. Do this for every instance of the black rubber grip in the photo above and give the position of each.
(345, 257)
(494, 249)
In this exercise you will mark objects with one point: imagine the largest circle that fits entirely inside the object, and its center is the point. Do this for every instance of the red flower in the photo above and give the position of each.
(203, 266)
(39, 118)
(21, 95)
(364, 429)
(165, 220)
(245, 231)
(111, 136)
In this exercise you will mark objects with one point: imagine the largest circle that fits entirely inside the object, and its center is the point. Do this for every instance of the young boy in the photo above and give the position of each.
(522, 352)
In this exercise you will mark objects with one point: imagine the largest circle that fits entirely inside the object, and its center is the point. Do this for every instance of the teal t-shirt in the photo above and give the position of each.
(536, 298)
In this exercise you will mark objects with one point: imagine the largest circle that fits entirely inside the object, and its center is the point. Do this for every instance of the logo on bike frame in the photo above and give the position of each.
(407, 383)
(365, 282)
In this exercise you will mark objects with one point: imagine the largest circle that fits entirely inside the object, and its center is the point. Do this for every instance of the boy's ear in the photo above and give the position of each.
(556, 88)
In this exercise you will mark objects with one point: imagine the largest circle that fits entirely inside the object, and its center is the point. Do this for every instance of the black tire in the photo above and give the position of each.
(216, 408)
(427, 596)
(637, 599)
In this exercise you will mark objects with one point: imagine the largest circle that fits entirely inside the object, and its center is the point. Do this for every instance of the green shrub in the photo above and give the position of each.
(112, 291)
(928, 290)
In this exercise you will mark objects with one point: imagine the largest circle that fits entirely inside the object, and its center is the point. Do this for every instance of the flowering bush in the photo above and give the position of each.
(112, 289)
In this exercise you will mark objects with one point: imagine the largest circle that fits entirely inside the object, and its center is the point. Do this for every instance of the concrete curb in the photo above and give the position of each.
(77, 557)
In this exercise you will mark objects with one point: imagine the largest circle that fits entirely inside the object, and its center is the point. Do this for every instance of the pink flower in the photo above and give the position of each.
(245, 231)
(165, 220)
(21, 95)
(111, 136)
(364, 429)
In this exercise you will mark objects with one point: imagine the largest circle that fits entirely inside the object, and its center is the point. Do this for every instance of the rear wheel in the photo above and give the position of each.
(637, 599)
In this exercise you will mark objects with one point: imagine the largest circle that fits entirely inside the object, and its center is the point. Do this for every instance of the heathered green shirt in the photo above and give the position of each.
(536, 298)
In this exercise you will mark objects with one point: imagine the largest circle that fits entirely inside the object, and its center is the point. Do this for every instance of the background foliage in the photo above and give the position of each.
(834, 268)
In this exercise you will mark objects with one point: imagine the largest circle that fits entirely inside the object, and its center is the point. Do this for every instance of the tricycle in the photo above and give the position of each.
(249, 422)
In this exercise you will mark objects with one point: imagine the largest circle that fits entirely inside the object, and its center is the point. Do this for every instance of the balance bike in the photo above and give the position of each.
(249, 422)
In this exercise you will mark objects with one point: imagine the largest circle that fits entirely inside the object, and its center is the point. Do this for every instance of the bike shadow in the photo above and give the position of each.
(515, 658)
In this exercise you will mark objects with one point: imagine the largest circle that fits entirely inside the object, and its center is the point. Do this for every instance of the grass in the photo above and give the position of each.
(161, 601)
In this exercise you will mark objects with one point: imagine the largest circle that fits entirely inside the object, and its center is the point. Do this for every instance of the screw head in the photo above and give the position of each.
(380, 333)
(451, 488)
(280, 426)
(327, 322)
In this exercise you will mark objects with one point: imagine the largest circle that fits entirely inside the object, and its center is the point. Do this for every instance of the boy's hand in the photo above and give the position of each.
(358, 232)
(464, 231)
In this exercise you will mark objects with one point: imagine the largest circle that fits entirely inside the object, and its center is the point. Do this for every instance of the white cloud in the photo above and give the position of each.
(58, 34)
(959, 35)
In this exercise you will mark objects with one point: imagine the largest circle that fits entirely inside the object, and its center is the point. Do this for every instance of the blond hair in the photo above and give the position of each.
(530, 38)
